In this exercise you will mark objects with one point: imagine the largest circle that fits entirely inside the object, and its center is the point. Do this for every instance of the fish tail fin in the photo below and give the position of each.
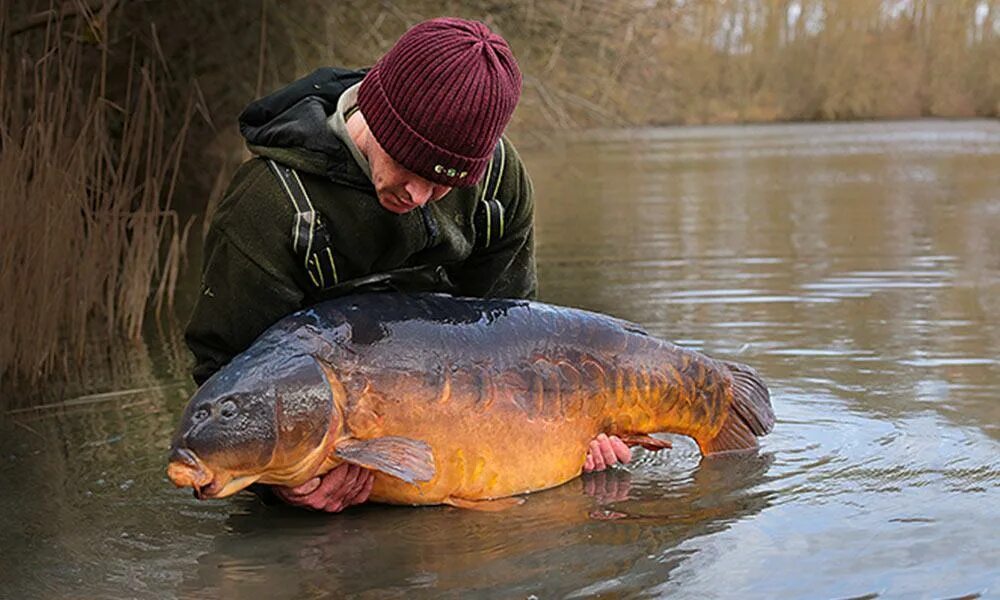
(749, 414)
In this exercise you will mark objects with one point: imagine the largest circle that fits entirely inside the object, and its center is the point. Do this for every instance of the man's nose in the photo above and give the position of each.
(420, 192)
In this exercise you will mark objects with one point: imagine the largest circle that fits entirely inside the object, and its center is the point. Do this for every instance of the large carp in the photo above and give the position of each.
(452, 400)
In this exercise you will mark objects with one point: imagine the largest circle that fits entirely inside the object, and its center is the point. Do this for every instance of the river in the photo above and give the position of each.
(856, 266)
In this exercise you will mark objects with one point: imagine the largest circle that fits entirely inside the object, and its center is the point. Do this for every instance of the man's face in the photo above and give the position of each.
(399, 189)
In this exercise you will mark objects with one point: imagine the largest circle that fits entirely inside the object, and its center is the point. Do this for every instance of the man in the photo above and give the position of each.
(392, 178)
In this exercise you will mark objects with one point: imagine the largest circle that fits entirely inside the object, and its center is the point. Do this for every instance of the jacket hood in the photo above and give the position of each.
(290, 125)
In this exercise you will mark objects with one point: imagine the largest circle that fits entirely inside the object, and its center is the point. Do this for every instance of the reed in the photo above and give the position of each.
(89, 238)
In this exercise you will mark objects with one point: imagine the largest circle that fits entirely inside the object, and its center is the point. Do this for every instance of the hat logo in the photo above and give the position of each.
(450, 171)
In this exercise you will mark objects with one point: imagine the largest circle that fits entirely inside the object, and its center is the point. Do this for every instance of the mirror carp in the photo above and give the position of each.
(452, 400)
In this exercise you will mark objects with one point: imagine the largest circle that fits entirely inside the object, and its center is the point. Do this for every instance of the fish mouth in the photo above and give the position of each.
(185, 469)
(217, 489)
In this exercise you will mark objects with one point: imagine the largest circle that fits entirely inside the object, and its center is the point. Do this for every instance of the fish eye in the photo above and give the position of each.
(229, 409)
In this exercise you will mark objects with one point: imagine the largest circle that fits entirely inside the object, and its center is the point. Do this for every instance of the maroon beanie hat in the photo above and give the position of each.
(438, 101)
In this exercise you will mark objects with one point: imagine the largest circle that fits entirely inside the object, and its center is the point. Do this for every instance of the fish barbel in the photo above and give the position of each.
(452, 400)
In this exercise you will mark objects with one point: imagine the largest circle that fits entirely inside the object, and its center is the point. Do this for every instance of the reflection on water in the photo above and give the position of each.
(857, 266)
(462, 552)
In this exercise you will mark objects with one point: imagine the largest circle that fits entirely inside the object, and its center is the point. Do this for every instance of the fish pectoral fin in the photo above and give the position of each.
(485, 505)
(405, 458)
(646, 441)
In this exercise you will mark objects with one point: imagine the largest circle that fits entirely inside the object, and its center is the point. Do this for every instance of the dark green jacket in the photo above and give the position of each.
(252, 275)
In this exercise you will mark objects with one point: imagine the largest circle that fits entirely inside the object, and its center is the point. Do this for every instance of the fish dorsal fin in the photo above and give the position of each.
(485, 505)
(405, 458)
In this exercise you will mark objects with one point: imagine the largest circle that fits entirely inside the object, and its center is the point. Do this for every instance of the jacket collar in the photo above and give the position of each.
(290, 126)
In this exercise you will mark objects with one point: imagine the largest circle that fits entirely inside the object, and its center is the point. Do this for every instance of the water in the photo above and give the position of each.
(857, 266)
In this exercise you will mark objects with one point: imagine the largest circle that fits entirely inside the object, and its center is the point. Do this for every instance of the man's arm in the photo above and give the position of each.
(248, 274)
(506, 268)
(238, 301)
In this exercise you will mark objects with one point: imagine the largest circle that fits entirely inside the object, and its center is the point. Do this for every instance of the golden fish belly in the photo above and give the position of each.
(486, 458)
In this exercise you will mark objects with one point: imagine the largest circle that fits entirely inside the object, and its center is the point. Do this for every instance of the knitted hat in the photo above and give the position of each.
(438, 101)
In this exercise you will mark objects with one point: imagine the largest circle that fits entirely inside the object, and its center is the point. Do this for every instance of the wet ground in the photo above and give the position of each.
(856, 266)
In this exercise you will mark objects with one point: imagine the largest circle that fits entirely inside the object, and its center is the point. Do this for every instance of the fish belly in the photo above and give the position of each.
(488, 458)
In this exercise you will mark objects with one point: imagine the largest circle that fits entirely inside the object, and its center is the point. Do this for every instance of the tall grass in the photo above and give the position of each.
(89, 238)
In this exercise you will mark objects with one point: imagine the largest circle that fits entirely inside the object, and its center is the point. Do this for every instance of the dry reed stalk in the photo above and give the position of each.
(88, 230)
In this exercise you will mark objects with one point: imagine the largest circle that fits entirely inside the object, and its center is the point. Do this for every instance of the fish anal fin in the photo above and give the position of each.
(401, 457)
(485, 505)
(646, 441)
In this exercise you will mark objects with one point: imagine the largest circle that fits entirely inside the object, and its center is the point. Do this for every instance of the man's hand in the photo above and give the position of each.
(346, 485)
(604, 452)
